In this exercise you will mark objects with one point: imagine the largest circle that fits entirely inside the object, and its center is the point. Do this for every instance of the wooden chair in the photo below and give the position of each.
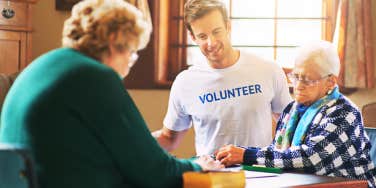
(6, 82)
(16, 168)
(371, 132)
(369, 115)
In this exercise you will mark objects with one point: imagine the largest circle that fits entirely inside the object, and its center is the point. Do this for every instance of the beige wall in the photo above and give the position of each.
(48, 23)
(153, 106)
(47, 27)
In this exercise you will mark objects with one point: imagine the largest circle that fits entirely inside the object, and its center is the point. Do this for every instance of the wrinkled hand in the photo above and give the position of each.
(207, 163)
(230, 155)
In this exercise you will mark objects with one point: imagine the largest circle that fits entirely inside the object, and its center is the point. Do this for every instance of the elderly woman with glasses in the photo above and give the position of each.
(70, 108)
(321, 131)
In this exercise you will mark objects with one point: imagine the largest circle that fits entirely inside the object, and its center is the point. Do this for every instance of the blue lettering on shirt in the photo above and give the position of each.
(202, 98)
(209, 97)
(230, 93)
(223, 94)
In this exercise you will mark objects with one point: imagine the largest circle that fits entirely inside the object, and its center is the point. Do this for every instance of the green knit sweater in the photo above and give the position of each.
(83, 128)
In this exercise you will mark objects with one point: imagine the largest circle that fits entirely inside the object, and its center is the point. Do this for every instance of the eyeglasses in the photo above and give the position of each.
(132, 59)
(295, 78)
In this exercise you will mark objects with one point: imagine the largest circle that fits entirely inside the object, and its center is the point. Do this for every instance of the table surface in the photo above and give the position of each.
(297, 179)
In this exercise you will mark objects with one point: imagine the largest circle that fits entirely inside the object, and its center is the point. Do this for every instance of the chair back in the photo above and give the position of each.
(369, 115)
(371, 132)
(6, 82)
(16, 168)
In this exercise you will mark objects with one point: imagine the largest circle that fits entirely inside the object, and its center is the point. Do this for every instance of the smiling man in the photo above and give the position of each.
(231, 98)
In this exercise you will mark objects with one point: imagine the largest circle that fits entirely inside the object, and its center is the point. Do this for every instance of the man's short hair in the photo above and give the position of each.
(195, 9)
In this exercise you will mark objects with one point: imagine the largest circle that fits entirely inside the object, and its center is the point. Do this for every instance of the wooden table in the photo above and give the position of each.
(296, 179)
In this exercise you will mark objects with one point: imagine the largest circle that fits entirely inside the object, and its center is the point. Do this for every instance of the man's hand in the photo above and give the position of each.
(207, 163)
(230, 155)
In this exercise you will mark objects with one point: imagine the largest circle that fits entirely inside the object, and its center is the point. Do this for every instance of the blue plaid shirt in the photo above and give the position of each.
(335, 145)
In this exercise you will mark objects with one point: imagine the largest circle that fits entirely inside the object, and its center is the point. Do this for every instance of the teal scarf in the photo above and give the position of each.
(294, 131)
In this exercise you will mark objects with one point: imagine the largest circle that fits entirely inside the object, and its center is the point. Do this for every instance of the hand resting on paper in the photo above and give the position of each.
(207, 163)
(230, 155)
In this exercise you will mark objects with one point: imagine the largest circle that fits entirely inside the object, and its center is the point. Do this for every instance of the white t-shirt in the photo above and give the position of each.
(228, 106)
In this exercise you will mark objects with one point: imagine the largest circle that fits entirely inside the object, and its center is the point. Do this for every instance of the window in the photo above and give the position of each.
(270, 28)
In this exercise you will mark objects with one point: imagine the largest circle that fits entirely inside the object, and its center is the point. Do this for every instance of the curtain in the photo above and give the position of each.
(353, 37)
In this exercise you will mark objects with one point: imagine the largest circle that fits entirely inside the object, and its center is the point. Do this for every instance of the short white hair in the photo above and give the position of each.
(323, 53)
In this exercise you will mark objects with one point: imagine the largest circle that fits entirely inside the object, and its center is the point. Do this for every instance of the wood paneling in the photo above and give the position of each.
(12, 49)
(15, 36)
(20, 16)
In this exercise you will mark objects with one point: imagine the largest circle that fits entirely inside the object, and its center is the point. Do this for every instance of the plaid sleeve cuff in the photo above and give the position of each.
(250, 156)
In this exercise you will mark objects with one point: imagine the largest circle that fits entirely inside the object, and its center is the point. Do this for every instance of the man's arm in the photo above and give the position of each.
(169, 139)
(276, 116)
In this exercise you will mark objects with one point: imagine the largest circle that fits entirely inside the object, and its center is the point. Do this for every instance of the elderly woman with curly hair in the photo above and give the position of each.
(321, 132)
(70, 108)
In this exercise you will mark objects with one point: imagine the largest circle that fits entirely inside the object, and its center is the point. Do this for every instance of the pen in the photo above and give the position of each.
(213, 157)
(262, 169)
